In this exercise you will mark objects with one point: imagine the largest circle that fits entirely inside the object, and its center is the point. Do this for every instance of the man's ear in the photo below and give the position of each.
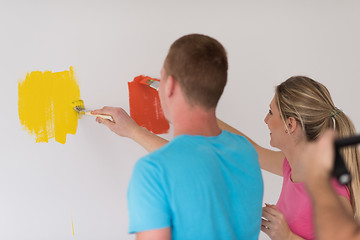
(291, 124)
(170, 86)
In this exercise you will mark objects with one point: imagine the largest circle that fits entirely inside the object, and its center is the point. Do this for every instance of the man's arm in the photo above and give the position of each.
(156, 234)
(123, 125)
(332, 220)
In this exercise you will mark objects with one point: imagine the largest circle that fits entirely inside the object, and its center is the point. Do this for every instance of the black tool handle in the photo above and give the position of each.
(347, 141)
(340, 170)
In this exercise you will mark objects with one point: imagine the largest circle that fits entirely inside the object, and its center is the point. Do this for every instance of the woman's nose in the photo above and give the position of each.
(266, 118)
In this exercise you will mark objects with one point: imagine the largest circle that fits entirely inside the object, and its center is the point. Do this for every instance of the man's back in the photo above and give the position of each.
(201, 187)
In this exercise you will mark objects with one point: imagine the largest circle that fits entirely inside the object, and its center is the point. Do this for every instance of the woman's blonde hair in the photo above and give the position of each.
(310, 103)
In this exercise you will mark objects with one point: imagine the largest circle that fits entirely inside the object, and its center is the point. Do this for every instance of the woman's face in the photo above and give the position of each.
(276, 126)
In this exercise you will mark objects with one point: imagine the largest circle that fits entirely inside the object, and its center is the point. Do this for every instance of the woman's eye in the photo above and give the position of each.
(270, 112)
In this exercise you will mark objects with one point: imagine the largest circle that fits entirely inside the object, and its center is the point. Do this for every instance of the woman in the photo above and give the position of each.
(301, 110)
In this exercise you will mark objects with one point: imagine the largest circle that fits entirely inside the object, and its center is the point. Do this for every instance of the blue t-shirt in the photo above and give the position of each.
(201, 187)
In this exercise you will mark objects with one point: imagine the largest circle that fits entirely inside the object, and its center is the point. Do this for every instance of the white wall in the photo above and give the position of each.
(109, 43)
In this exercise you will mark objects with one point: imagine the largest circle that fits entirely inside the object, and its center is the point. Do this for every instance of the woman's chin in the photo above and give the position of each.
(272, 143)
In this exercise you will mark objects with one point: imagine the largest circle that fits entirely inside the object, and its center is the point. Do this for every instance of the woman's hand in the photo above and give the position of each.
(274, 224)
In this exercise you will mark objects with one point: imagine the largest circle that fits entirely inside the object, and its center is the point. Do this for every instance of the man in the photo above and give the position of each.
(205, 183)
(332, 220)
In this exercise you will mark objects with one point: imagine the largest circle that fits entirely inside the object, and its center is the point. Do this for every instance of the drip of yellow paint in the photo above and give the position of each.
(45, 104)
(72, 226)
(72, 223)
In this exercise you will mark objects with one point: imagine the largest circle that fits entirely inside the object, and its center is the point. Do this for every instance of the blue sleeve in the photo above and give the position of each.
(147, 203)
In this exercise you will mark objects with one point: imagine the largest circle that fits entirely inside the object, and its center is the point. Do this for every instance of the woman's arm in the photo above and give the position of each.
(271, 161)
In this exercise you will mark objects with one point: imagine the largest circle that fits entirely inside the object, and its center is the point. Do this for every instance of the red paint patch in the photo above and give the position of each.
(145, 107)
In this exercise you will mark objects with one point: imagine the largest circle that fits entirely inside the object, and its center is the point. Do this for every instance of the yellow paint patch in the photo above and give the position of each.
(45, 104)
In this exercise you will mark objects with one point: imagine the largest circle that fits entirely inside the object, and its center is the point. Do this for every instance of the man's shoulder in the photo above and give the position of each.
(188, 144)
(173, 147)
(234, 136)
(196, 146)
(237, 141)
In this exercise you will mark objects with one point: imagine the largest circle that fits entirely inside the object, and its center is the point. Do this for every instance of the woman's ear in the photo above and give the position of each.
(291, 124)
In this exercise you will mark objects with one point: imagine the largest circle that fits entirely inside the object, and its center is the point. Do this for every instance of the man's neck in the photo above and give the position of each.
(195, 121)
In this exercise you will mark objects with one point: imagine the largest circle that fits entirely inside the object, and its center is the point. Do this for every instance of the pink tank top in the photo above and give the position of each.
(295, 204)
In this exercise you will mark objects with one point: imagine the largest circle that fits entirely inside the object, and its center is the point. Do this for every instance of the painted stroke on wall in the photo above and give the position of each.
(145, 107)
(45, 104)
